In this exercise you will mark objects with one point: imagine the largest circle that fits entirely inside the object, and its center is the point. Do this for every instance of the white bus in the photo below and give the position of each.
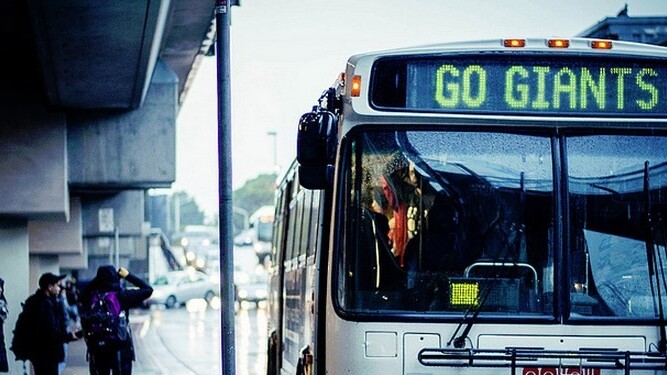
(494, 207)
(261, 227)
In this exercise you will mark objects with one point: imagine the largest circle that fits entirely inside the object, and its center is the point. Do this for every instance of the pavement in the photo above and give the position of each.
(186, 341)
(78, 365)
(76, 359)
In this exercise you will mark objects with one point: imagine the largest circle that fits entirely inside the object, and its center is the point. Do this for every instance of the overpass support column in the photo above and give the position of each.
(14, 270)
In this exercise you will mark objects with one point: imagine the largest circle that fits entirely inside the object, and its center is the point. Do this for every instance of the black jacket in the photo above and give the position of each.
(50, 332)
(107, 280)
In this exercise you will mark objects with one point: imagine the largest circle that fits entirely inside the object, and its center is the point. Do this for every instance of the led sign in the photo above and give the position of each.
(527, 85)
(463, 293)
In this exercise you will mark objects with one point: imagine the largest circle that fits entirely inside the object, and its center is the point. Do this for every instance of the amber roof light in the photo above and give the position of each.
(514, 43)
(558, 43)
(601, 44)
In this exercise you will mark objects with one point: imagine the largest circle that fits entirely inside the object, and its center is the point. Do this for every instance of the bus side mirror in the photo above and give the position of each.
(316, 148)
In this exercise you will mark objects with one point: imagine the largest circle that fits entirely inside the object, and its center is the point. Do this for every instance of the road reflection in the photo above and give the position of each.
(187, 340)
(251, 341)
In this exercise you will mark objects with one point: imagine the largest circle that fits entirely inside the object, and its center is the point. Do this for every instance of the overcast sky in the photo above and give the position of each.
(285, 53)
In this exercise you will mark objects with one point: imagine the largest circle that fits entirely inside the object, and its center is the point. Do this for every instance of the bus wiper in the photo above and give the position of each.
(459, 341)
(652, 261)
(609, 190)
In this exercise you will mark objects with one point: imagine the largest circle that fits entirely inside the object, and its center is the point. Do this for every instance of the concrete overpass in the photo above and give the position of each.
(88, 106)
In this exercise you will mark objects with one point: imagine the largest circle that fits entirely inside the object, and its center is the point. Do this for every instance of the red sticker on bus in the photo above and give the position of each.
(560, 371)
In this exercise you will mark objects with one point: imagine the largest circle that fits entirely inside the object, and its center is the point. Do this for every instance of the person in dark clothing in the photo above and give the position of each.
(117, 362)
(4, 311)
(50, 330)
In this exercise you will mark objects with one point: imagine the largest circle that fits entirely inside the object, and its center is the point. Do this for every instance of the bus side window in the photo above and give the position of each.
(314, 222)
(299, 227)
(306, 226)
(291, 231)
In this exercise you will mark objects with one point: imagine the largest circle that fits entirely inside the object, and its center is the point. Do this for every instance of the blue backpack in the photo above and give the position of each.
(104, 322)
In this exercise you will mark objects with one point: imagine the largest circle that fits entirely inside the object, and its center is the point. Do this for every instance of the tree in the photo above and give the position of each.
(254, 194)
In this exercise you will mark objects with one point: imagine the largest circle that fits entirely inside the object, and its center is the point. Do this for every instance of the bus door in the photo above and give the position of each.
(276, 275)
(294, 286)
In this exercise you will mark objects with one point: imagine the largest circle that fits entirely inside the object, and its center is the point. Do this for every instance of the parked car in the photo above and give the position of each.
(177, 287)
(252, 287)
(244, 238)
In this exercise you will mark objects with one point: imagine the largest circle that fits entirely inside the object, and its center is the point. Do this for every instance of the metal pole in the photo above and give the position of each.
(228, 364)
(116, 237)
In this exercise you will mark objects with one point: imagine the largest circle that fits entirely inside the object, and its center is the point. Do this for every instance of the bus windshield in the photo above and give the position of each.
(450, 221)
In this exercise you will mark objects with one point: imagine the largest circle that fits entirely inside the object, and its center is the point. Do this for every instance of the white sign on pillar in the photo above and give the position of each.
(105, 220)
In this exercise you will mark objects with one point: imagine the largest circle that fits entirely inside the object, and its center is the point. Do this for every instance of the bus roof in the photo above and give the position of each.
(577, 45)
(357, 108)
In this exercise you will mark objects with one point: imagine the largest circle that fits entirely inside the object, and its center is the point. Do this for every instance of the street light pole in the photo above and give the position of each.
(228, 363)
(274, 134)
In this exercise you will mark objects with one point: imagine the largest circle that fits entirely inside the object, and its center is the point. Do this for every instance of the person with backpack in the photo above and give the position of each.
(40, 333)
(104, 312)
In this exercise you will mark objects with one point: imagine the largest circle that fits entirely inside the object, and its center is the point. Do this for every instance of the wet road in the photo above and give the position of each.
(187, 341)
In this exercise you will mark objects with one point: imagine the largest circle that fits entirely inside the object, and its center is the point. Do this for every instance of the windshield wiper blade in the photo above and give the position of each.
(609, 190)
(459, 341)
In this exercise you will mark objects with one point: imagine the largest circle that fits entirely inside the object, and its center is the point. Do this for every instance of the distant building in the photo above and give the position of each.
(649, 30)
(160, 213)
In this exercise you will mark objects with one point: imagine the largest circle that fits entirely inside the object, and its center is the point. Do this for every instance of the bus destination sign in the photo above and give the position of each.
(573, 86)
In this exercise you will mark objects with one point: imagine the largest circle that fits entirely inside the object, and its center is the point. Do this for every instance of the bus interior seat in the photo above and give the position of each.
(520, 280)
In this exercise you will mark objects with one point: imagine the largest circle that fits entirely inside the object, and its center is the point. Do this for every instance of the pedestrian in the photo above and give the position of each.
(49, 329)
(116, 355)
(4, 311)
(72, 294)
(64, 319)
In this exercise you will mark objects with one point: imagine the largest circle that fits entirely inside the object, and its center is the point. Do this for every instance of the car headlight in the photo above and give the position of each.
(241, 278)
(261, 293)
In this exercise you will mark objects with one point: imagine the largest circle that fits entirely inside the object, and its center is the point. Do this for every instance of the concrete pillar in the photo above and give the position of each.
(58, 237)
(41, 264)
(33, 163)
(14, 270)
(126, 149)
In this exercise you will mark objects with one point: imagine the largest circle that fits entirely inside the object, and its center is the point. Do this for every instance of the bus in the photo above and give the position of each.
(261, 228)
(490, 207)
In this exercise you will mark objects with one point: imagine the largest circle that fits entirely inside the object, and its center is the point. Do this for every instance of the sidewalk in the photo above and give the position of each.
(76, 358)
(76, 355)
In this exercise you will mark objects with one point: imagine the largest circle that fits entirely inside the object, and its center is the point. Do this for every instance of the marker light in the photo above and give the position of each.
(356, 86)
(514, 43)
(558, 43)
(601, 44)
